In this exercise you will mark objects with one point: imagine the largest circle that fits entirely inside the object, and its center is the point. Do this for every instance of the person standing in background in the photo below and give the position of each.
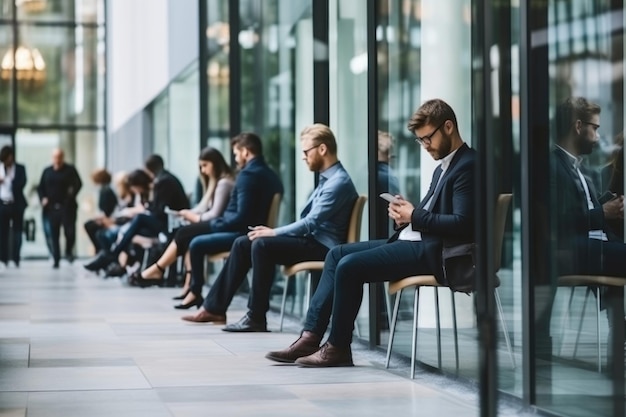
(58, 187)
(12, 205)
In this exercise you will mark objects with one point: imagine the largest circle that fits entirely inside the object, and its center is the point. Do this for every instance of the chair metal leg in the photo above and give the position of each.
(580, 324)
(282, 305)
(309, 280)
(438, 321)
(598, 331)
(414, 344)
(455, 328)
(392, 328)
(504, 328)
(387, 302)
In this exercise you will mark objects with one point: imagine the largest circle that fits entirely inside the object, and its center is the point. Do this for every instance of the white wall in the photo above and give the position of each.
(149, 42)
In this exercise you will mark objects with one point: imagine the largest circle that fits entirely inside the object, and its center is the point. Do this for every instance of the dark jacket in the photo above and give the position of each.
(107, 200)
(17, 187)
(450, 220)
(60, 187)
(167, 192)
(250, 199)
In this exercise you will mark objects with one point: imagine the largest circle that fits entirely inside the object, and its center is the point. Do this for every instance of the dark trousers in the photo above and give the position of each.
(142, 225)
(53, 218)
(11, 216)
(346, 269)
(200, 247)
(184, 235)
(262, 254)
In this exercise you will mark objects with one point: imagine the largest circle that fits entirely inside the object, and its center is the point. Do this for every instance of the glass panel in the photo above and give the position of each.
(83, 149)
(409, 33)
(84, 11)
(276, 46)
(348, 104)
(6, 9)
(218, 74)
(6, 74)
(583, 52)
(66, 85)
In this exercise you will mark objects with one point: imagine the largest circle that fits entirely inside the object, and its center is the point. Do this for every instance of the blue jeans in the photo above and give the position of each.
(203, 245)
(346, 269)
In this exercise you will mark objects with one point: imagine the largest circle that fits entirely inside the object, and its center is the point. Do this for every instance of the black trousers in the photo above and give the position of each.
(53, 218)
(92, 228)
(263, 254)
(11, 216)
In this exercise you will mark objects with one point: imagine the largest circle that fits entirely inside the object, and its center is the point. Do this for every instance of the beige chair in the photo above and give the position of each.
(272, 219)
(420, 281)
(354, 235)
(588, 281)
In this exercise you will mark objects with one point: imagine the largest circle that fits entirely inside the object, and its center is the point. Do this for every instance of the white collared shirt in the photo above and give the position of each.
(408, 233)
(6, 187)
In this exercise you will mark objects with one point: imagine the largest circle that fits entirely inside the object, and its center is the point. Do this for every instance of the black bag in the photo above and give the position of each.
(459, 267)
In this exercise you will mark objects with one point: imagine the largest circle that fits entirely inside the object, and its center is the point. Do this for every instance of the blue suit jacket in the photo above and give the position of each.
(250, 200)
(450, 220)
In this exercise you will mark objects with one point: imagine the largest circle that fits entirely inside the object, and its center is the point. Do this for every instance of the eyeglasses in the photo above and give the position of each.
(306, 151)
(426, 140)
(594, 125)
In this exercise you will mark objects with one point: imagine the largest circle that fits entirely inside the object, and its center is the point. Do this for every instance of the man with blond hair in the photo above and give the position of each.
(323, 224)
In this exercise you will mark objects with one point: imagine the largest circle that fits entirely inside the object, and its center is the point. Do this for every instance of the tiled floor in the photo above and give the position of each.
(73, 344)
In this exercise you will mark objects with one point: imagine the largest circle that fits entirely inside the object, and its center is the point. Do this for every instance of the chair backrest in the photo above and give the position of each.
(502, 209)
(354, 228)
(272, 215)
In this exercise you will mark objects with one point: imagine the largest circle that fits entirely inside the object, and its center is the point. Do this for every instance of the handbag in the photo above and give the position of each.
(459, 267)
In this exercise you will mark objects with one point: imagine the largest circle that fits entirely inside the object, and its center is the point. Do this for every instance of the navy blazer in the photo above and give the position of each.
(450, 219)
(17, 187)
(250, 199)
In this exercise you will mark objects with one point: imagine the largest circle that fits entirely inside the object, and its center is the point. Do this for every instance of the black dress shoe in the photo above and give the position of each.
(182, 296)
(99, 262)
(115, 270)
(246, 324)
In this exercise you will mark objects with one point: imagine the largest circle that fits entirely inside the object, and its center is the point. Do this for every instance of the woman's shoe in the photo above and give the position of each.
(196, 302)
(182, 296)
(136, 280)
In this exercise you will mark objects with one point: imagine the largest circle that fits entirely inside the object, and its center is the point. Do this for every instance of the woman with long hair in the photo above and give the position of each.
(219, 180)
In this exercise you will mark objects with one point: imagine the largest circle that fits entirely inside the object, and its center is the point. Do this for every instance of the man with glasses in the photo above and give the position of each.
(445, 215)
(323, 224)
(584, 243)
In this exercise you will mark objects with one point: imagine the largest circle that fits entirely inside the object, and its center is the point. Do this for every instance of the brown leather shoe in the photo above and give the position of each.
(327, 356)
(307, 344)
(203, 316)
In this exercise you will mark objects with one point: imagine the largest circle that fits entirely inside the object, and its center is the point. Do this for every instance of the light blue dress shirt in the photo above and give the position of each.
(326, 215)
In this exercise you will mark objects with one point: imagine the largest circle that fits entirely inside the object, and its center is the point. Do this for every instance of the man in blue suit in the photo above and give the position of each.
(249, 204)
(12, 204)
(445, 216)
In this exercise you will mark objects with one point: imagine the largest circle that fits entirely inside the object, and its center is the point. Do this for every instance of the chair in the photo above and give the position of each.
(588, 281)
(272, 219)
(354, 235)
(420, 281)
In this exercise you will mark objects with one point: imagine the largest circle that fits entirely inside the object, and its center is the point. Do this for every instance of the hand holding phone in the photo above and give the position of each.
(387, 196)
(606, 197)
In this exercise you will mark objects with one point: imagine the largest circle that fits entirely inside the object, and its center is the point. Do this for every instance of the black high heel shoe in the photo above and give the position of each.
(136, 280)
(182, 296)
(196, 302)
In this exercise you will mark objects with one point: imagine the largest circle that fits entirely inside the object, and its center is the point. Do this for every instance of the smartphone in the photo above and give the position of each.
(606, 197)
(387, 196)
(250, 227)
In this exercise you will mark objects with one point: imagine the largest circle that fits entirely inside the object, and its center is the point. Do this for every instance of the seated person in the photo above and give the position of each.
(585, 245)
(167, 191)
(107, 203)
(219, 180)
(249, 203)
(445, 215)
(323, 224)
